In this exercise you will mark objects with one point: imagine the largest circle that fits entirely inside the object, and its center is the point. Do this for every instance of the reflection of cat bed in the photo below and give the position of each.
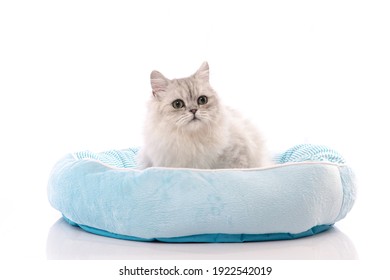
(307, 193)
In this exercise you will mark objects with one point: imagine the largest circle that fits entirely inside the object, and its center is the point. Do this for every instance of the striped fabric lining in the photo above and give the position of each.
(306, 152)
(118, 158)
(309, 152)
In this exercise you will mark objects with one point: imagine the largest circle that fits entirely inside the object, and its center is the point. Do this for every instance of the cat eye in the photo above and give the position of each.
(178, 103)
(202, 100)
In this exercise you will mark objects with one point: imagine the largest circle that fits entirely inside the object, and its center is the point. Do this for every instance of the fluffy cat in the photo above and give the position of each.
(188, 126)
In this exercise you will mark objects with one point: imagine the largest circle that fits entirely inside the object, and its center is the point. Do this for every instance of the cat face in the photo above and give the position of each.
(187, 104)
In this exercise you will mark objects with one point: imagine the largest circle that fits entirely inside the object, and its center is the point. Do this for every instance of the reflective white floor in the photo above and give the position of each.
(68, 242)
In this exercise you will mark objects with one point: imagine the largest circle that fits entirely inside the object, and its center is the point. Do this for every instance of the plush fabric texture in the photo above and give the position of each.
(309, 190)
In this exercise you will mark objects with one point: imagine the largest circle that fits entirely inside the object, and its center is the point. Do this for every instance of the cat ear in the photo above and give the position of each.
(158, 81)
(203, 72)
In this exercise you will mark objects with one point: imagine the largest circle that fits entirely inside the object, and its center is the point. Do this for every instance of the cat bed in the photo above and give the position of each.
(309, 190)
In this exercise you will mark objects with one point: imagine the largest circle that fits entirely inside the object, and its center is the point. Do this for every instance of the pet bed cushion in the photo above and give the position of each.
(309, 190)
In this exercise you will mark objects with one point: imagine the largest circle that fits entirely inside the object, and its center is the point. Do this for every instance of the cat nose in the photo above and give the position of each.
(193, 111)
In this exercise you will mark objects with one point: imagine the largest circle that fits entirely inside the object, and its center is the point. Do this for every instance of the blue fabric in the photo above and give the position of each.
(105, 194)
(308, 152)
(215, 238)
(299, 153)
(118, 158)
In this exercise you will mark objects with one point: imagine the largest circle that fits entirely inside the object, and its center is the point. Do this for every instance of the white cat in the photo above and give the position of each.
(188, 126)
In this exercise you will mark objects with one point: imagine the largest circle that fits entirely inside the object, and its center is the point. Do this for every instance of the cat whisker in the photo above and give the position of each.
(209, 122)
(182, 120)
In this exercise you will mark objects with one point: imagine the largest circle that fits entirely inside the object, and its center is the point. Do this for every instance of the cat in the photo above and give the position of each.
(188, 126)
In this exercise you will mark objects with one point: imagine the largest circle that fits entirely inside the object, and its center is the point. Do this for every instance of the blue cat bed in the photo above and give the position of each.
(309, 190)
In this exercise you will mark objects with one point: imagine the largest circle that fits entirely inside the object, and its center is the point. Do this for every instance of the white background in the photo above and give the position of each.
(74, 75)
